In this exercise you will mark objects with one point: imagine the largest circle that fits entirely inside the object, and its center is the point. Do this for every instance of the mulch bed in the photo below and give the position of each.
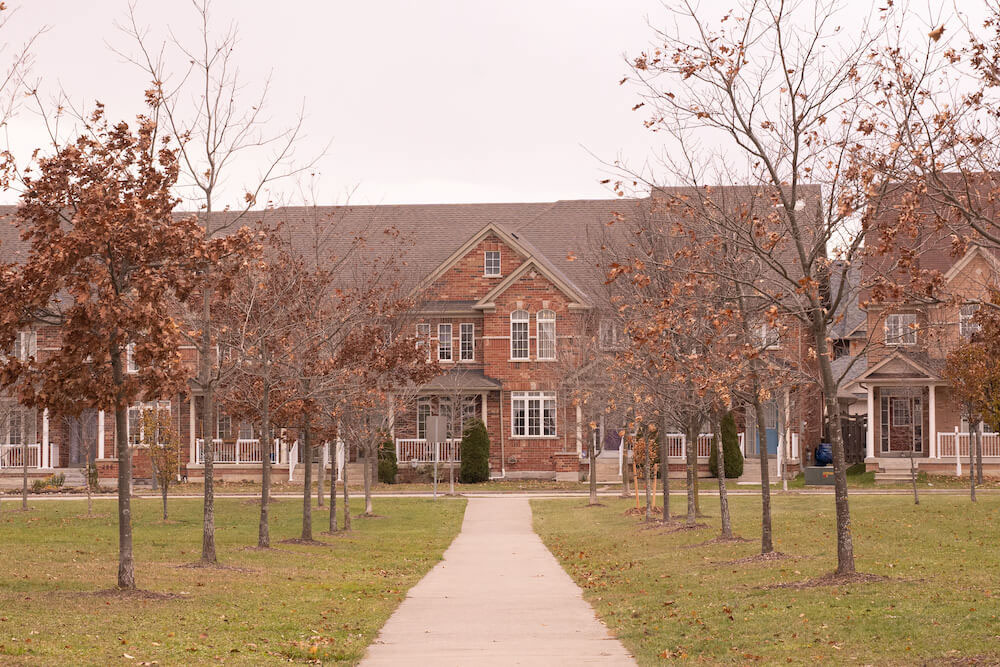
(771, 557)
(832, 579)
(736, 539)
(137, 594)
(306, 543)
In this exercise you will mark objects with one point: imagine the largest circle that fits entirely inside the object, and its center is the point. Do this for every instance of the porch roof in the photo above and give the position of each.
(901, 368)
(472, 380)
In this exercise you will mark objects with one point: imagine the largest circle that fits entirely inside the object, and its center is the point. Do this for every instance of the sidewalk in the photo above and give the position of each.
(498, 598)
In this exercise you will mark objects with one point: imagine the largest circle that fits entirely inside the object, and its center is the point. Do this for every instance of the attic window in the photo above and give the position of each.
(491, 263)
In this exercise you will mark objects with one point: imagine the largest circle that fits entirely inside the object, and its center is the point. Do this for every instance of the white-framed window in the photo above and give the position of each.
(246, 431)
(467, 342)
(545, 322)
(491, 263)
(223, 425)
(136, 423)
(519, 335)
(423, 412)
(424, 338)
(533, 414)
(130, 365)
(966, 325)
(611, 335)
(901, 414)
(901, 329)
(444, 342)
(768, 337)
(25, 346)
(12, 425)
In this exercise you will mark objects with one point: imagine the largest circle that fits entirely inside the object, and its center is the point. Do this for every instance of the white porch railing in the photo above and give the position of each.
(244, 450)
(947, 440)
(421, 451)
(12, 456)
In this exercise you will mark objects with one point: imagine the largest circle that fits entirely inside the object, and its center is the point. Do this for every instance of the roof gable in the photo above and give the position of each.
(578, 300)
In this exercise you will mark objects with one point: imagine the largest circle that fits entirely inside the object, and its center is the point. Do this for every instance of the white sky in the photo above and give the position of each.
(423, 100)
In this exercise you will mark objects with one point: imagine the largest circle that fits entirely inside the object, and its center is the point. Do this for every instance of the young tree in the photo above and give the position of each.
(789, 99)
(160, 438)
(107, 260)
(205, 104)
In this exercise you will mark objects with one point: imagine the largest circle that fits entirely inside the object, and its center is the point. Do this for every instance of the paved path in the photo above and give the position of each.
(498, 598)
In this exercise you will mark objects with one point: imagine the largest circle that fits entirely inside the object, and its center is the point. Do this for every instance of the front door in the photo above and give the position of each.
(902, 422)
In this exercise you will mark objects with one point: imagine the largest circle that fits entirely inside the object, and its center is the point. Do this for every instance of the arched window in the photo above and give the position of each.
(519, 335)
(546, 322)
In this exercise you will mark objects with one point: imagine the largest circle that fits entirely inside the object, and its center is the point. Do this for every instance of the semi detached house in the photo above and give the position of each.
(502, 300)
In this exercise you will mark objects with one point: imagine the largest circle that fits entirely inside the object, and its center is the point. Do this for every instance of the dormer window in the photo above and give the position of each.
(901, 329)
(491, 263)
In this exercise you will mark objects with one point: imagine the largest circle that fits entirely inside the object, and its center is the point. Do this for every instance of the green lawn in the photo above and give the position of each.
(668, 598)
(291, 603)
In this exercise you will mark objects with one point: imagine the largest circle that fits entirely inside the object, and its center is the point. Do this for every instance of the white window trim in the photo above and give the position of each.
(906, 329)
(527, 334)
(617, 336)
(539, 397)
(423, 330)
(545, 317)
(142, 407)
(486, 264)
(461, 335)
(762, 336)
(966, 325)
(451, 343)
(130, 366)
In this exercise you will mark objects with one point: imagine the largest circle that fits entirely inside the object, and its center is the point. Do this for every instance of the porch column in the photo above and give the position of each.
(932, 422)
(100, 434)
(45, 439)
(482, 402)
(579, 430)
(870, 431)
(192, 449)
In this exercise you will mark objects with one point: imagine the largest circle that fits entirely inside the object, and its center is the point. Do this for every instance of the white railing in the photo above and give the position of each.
(947, 439)
(12, 456)
(421, 451)
(244, 450)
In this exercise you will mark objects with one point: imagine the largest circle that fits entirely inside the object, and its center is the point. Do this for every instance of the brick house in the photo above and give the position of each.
(911, 408)
(501, 302)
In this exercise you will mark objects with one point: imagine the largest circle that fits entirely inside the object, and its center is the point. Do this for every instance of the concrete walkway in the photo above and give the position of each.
(498, 598)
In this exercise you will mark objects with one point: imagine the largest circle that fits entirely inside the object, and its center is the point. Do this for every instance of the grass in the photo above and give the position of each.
(666, 595)
(293, 603)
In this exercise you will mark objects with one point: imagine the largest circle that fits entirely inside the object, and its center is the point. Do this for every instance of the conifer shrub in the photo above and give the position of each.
(730, 449)
(475, 453)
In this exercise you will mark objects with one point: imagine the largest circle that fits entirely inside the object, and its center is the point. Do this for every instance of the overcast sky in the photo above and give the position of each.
(424, 101)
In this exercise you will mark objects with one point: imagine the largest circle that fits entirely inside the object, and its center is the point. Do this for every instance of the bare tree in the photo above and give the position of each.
(205, 104)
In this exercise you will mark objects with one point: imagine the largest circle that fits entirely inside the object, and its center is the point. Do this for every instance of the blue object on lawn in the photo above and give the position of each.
(824, 454)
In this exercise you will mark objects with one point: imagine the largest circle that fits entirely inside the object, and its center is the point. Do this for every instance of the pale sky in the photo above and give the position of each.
(423, 100)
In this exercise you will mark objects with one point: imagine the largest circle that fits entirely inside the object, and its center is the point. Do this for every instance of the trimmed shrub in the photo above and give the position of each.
(475, 453)
(387, 467)
(730, 448)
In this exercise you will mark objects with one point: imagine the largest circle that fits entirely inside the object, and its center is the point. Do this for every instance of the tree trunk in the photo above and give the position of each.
(727, 526)
(972, 465)
(24, 472)
(307, 453)
(321, 475)
(208, 554)
(367, 477)
(845, 542)
(347, 496)
(592, 458)
(264, 526)
(979, 453)
(647, 468)
(665, 470)
(333, 488)
(90, 499)
(126, 564)
(163, 494)
(766, 540)
(913, 479)
(691, 456)
(152, 465)
(626, 483)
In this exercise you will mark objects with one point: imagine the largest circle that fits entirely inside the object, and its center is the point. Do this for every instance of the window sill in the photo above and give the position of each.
(534, 437)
